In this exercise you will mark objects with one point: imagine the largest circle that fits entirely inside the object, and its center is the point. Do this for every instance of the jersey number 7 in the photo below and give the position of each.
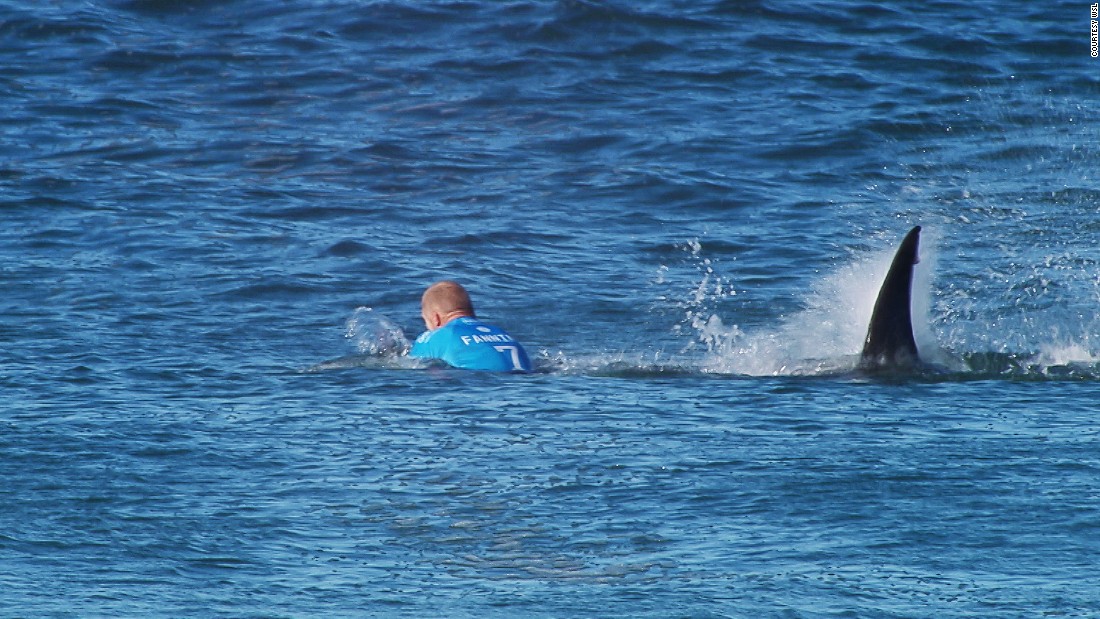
(514, 351)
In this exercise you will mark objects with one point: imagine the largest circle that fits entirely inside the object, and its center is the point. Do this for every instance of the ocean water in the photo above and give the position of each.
(218, 218)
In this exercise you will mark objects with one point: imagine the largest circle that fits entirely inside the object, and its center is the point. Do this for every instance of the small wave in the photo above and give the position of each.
(945, 367)
(366, 361)
(1039, 366)
(941, 367)
(615, 365)
(1062, 361)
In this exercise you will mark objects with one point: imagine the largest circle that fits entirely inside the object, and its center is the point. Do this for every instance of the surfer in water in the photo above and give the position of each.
(455, 334)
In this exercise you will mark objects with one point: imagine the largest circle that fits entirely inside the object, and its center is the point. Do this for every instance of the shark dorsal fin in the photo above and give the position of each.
(890, 342)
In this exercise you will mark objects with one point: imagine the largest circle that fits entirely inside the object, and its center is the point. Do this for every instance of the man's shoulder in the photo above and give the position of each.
(445, 335)
(467, 324)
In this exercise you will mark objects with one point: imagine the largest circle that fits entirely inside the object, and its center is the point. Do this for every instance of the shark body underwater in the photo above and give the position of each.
(890, 345)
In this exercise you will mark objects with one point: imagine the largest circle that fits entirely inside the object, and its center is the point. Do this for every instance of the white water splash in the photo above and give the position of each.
(375, 335)
(824, 337)
(1067, 353)
(379, 342)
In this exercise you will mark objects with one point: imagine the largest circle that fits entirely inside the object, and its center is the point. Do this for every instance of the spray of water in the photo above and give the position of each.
(378, 341)
(824, 337)
(375, 335)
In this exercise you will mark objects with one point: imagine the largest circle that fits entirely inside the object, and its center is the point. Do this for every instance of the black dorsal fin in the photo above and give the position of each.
(890, 340)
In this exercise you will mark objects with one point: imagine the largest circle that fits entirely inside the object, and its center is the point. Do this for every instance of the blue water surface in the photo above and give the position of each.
(218, 218)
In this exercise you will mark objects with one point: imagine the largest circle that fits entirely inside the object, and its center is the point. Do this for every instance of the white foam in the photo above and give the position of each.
(1066, 353)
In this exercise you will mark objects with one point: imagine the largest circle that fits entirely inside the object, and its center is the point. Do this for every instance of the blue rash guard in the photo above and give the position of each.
(471, 344)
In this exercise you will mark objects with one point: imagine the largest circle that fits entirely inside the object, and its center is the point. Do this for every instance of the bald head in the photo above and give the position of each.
(443, 302)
